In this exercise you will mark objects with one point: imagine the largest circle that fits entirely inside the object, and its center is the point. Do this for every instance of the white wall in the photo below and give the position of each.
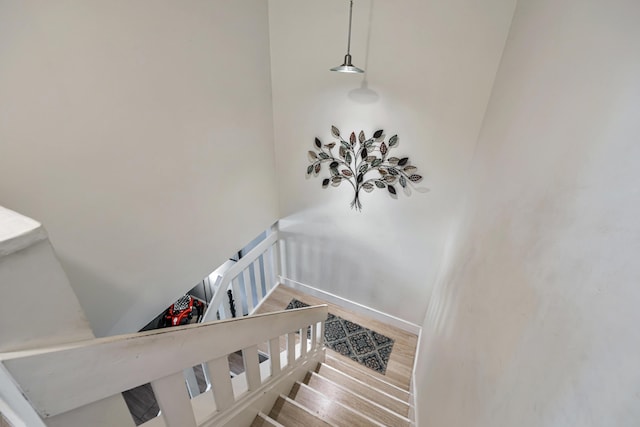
(535, 319)
(140, 133)
(430, 65)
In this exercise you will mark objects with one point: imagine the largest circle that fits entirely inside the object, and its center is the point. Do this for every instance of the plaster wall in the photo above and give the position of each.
(141, 134)
(534, 319)
(430, 67)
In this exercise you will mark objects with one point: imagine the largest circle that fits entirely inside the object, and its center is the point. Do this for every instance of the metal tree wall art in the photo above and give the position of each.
(363, 163)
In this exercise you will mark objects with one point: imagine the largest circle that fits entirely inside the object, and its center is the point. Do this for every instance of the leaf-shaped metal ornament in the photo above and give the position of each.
(360, 158)
(410, 169)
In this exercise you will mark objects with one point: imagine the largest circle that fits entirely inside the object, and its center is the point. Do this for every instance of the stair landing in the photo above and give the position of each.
(400, 365)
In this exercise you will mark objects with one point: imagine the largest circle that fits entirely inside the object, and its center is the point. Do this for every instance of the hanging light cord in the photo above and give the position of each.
(349, 38)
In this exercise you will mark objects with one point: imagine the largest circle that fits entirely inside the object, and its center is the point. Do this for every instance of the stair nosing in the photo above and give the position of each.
(270, 420)
(407, 404)
(304, 408)
(408, 393)
(391, 411)
(377, 423)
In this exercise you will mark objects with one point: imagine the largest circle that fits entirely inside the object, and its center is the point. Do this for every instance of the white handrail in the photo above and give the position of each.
(67, 377)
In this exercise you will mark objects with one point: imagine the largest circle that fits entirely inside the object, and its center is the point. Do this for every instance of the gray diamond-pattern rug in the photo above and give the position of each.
(367, 347)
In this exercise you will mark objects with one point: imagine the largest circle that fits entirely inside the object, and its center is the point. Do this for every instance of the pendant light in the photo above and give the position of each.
(346, 66)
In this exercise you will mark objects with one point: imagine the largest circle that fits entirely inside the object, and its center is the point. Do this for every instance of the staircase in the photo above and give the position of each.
(337, 394)
(68, 378)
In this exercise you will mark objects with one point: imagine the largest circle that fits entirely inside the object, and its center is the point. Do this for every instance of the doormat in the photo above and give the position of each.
(363, 345)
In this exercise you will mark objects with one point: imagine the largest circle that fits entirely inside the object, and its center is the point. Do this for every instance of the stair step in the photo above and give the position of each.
(363, 389)
(263, 420)
(368, 376)
(329, 409)
(356, 402)
(290, 413)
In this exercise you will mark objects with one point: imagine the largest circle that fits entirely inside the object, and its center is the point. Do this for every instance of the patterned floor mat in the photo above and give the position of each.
(363, 345)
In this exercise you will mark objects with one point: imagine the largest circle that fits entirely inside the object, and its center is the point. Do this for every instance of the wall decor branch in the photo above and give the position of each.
(363, 163)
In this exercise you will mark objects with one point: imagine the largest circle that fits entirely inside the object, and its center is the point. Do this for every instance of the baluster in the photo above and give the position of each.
(291, 348)
(252, 367)
(173, 401)
(274, 355)
(320, 336)
(314, 336)
(248, 285)
(221, 382)
(268, 268)
(257, 273)
(303, 341)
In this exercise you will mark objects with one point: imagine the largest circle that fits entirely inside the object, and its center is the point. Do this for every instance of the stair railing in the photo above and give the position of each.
(65, 378)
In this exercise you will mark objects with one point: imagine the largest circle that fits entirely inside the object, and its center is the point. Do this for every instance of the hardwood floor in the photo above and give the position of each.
(404, 349)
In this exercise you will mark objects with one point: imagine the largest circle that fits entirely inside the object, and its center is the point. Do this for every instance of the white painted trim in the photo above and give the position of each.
(352, 306)
(413, 413)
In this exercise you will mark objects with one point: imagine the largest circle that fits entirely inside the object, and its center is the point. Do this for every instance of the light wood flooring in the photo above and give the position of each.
(404, 348)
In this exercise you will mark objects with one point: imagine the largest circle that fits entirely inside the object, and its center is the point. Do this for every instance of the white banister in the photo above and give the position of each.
(92, 370)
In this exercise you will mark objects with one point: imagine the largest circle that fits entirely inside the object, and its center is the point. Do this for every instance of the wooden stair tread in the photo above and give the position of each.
(329, 409)
(358, 387)
(367, 376)
(356, 402)
(292, 414)
(263, 420)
